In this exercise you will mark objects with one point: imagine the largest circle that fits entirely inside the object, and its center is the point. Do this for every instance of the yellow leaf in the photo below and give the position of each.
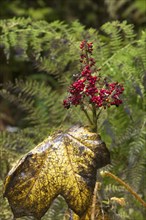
(120, 201)
(64, 164)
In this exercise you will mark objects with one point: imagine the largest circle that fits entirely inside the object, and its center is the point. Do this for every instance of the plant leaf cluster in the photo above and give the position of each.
(52, 49)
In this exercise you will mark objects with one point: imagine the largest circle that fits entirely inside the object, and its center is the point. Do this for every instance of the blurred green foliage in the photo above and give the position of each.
(91, 13)
(52, 51)
(38, 62)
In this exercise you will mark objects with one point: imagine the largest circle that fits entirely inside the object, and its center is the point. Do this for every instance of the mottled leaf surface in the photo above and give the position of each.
(64, 164)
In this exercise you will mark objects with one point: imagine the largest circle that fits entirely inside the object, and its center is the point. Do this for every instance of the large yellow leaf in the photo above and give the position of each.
(64, 164)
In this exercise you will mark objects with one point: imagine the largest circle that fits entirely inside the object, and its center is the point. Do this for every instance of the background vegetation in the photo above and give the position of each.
(38, 62)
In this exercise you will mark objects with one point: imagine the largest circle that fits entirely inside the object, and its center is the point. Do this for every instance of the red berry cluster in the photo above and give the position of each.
(87, 85)
(108, 96)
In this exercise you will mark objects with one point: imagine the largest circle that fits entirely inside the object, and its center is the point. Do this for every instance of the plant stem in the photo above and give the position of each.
(86, 113)
(126, 186)
(87, 57)
(94, 118)
(94, 201)
(99, 113)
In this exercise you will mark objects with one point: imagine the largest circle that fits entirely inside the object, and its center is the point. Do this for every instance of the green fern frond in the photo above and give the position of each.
(53, 51)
